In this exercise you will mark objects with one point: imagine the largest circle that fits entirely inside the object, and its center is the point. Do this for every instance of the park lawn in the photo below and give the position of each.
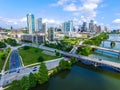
(72, 41)
(3, 61)
(31, 55)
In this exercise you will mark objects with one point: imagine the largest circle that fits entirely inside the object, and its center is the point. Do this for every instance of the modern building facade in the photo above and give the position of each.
(51, 34)
(30, 23)
(33, 38)
(91, 26)
(84, 27)
(68, 26)
(39, 25)
(44, 28)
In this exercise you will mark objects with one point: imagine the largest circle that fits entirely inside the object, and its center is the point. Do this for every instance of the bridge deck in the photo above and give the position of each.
(105, 62)
(111, 41)
(101, 48)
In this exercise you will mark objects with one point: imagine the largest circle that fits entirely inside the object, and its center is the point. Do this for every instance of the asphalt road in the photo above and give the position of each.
(15, 61)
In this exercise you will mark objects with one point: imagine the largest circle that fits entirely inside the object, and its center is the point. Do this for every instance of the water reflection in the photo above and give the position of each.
(83, 77)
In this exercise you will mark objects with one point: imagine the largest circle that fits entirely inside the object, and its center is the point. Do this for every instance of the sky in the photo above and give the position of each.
(103, 12)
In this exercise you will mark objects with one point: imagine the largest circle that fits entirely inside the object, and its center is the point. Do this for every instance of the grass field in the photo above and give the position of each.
(72, 41)
(32, 54)
(1, 60)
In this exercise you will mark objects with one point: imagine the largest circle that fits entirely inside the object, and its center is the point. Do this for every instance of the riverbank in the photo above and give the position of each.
(82, 77)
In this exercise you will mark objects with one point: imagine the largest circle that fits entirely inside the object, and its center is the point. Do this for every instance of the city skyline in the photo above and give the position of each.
(58, 11)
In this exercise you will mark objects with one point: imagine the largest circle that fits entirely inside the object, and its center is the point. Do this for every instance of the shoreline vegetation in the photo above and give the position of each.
(42, 76)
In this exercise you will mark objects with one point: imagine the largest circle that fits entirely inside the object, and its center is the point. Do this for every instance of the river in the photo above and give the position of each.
(106, 55)
(83, 77)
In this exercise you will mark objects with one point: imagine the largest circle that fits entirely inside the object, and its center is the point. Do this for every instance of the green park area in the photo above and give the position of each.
(97, 40)
(65, 45)
(71, 41)
(86, 50)
(31, 55)
(3, 56)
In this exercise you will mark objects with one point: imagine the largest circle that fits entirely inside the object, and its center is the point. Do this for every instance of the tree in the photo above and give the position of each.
(84, 50)
(24, 83)
(32, 81)
(42, 75)
(57, 54)
(40, 59)
(2, 45)
(26, 47)
(15, 85)
(64, 65)
(3, 57)
(11, 42)
(73, 60)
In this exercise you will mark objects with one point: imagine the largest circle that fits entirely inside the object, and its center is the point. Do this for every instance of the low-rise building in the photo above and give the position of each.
(33, 38)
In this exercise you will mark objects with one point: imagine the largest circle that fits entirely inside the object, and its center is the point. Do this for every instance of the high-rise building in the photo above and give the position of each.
(68, 26)
(95, 28)
(99, 29)
(44, 28)
(51, 34)
(39, 25)
(91, 26)
(30, 23)
(84, 27)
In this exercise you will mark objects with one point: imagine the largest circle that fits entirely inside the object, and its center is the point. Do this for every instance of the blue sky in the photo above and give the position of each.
(104, 12)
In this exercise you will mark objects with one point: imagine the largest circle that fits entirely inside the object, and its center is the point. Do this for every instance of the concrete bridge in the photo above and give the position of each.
(112, 41)
(93, 61)
(101, 48)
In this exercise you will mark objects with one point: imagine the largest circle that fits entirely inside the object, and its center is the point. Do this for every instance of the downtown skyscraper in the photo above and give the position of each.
(68, 27)
(38, 26)
(91, 26)
(30, 23)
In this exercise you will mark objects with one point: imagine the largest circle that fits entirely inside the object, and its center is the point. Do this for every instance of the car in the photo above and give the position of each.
(100, 59)
(34, 69)
(18, 71)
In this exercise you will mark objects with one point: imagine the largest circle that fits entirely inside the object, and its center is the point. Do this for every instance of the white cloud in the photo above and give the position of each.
(59, 3)
(86, 8)
(23, 19)
(70, 7)
(116, 21)
(17, 22)
(51, 21)
(63, 2)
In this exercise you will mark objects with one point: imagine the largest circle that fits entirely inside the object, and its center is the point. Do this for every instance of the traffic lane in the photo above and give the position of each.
(14, 60)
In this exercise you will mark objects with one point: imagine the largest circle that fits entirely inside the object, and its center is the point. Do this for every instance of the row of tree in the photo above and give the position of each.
(61, 45)
(11, 41)
(2, 45)
(86, 50)
(29, 82)
(40, 77)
